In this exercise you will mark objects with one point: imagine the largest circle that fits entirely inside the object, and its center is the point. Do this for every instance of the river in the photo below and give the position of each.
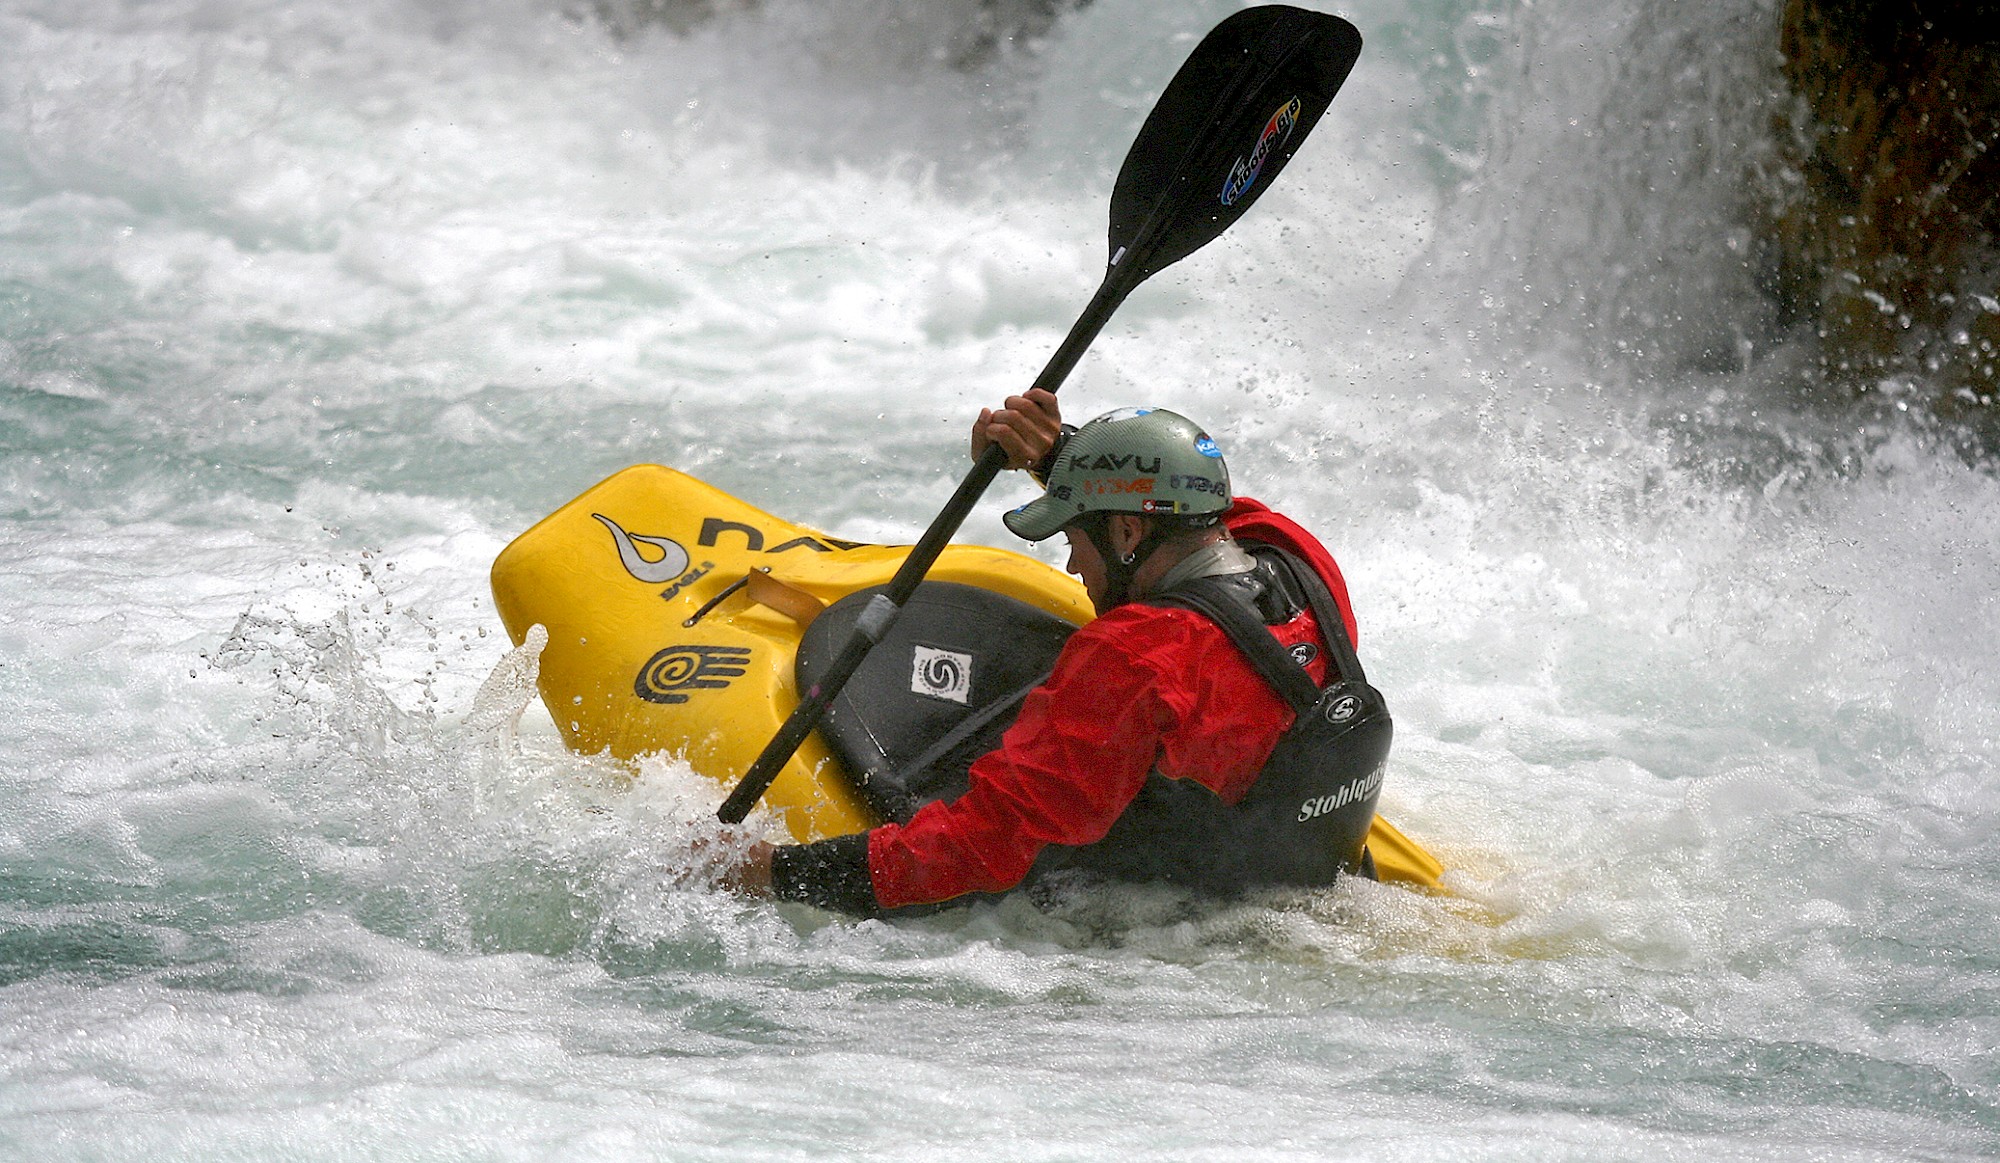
(307, 309)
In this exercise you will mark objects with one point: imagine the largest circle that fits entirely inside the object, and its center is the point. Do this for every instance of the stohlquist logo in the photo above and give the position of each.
(1354, 792)
(1343, 708)
(1244, 174)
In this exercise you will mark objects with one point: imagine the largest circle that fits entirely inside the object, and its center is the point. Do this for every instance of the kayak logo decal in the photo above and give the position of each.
(941, 674)
(678, 669)
(1244, 173)
(1356, 791)
(672, 562)
(712, 529)
(687, 579)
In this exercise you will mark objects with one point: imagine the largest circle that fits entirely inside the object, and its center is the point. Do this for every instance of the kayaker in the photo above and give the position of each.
(1150, 701)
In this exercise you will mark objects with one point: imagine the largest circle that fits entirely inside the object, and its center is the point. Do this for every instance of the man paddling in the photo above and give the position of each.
(1190, 733)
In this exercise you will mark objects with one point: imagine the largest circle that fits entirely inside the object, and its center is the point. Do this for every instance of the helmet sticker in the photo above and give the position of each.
(1197, 484)
(1121, 414)
(1206, 446)
(1105, 461)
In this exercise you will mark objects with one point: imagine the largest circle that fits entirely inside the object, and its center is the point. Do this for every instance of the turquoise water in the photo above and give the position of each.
(306, 310)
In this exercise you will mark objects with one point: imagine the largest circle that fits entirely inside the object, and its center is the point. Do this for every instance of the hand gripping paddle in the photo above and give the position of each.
(1226, 124)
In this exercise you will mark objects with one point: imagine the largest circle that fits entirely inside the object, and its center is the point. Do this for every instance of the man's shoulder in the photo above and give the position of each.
(1256, 521)
(1138, 627)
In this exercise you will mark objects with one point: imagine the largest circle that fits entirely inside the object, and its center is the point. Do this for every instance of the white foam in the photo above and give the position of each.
(324, 304)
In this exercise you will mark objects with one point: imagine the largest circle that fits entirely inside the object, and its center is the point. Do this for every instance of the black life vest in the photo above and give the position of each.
(1305, 820)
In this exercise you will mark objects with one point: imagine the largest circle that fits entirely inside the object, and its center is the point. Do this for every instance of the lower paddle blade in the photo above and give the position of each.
(1226, 124)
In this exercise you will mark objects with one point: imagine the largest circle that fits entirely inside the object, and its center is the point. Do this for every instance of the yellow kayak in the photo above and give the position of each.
(675, 613)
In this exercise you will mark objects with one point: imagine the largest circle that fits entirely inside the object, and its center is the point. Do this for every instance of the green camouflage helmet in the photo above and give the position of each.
(1144, 461)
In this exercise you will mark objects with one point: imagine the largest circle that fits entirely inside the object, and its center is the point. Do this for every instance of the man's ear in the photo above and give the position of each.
(1127, 531)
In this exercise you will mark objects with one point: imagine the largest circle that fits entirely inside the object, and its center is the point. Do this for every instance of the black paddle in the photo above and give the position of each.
(1228, 122)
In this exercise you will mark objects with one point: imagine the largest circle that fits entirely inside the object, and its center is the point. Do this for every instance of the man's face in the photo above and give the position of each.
(1086, 563)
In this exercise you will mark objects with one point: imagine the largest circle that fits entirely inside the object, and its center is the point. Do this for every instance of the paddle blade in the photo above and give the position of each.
(1226, 124)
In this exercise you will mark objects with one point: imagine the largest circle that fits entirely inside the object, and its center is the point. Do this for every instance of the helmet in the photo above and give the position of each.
(1143, 461)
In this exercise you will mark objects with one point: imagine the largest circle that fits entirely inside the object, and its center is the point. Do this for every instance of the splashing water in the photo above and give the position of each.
(306, 310)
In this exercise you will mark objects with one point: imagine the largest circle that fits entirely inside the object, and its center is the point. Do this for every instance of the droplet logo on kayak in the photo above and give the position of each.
(672, 562)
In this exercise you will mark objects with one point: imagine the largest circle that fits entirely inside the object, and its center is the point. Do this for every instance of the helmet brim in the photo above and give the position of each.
(1041, 518)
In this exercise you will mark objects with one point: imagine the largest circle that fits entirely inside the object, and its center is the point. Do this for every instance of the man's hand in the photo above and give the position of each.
(752, 873)
(1026, 426)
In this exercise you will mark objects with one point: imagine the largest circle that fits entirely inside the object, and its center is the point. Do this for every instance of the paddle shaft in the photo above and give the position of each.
(783, 745)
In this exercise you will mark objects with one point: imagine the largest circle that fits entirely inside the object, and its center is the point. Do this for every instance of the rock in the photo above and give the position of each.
(1891, 243)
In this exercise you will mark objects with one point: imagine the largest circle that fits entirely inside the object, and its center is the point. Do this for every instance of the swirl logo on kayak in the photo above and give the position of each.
(672, 562)
(677, 669)
(941, 674)
(1244, 173)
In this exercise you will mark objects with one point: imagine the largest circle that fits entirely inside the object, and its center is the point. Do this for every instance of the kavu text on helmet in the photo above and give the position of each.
(1144, 461)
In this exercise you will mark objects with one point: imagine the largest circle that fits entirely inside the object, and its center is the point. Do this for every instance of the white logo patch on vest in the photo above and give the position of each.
(941, 674)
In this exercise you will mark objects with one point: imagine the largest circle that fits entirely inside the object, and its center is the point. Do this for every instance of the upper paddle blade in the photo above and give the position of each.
(1224, 127)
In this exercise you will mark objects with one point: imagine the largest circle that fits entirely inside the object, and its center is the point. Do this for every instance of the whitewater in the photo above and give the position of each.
(306, 310)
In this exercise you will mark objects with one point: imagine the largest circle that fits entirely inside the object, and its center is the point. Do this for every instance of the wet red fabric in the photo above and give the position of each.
(1138, 689)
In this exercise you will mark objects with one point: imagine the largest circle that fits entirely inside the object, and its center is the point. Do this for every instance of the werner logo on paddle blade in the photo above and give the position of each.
(1243, 174)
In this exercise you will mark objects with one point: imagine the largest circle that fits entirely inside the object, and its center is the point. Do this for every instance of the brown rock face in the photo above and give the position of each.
(1893, 245)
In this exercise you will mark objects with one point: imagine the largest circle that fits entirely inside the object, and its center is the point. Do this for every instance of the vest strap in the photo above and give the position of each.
(1214, 598)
